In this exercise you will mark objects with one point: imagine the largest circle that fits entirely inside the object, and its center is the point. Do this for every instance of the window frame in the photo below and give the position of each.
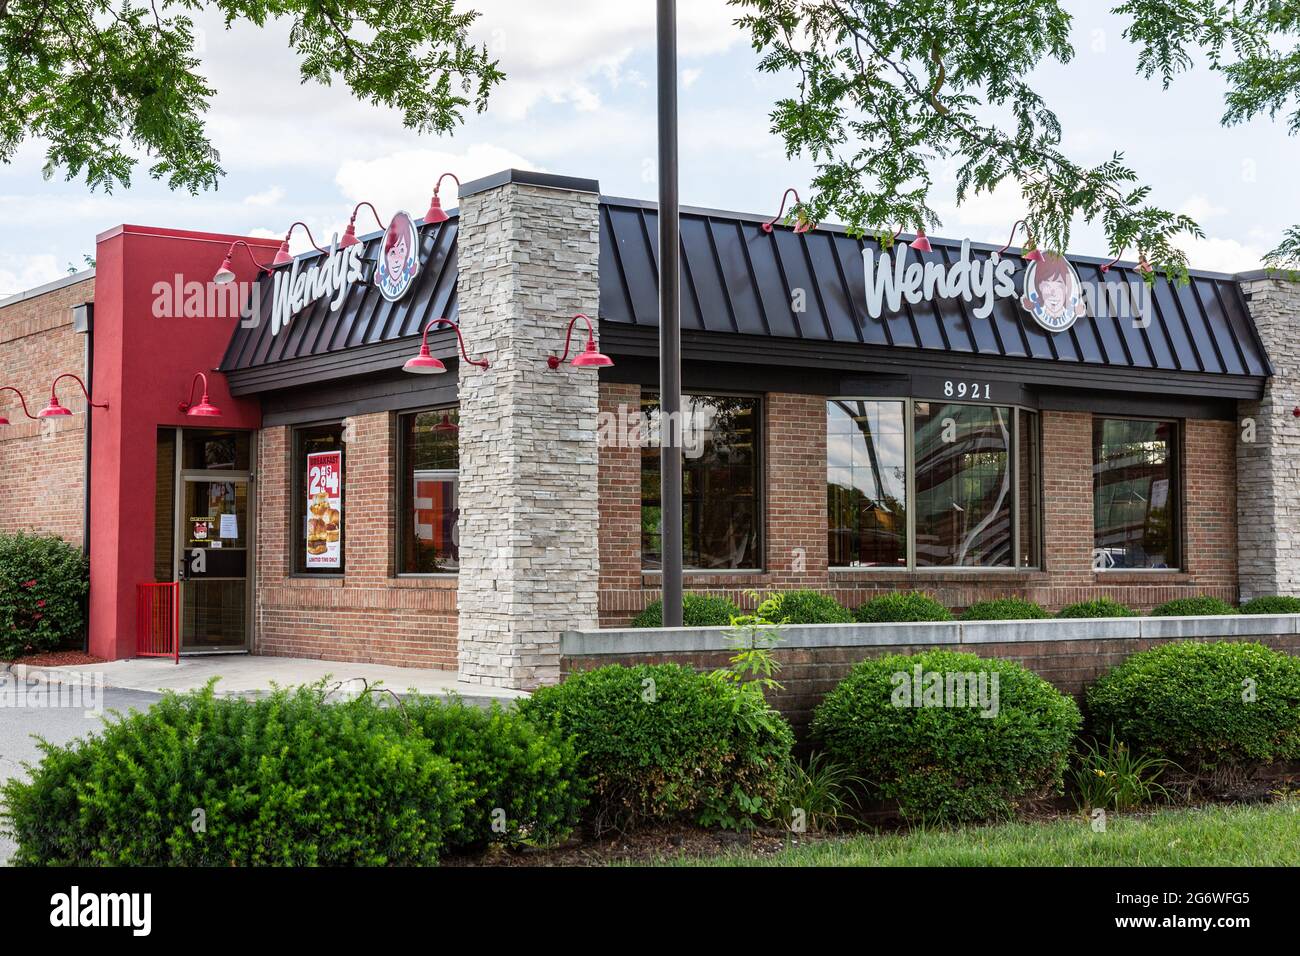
(909, 457)
(760, 484)
(298, 544)
(399, 477)
(1178, 454)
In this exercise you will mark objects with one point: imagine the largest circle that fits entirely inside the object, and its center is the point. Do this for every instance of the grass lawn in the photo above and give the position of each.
(1213, 836)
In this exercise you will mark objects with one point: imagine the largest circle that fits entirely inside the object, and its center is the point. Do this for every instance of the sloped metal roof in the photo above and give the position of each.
(737, 278)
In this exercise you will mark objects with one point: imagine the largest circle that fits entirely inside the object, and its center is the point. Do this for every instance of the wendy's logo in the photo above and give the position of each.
(1053, 294)
(399, 258)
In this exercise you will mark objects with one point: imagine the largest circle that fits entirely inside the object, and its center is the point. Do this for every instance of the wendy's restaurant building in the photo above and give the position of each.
(934, 415)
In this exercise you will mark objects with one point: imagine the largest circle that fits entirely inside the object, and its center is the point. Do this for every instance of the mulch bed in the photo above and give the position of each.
(56, 659)
(642, 846)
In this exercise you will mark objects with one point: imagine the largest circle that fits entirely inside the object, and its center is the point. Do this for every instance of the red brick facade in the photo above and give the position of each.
(794, 457)
(43, 462)
(368, 613)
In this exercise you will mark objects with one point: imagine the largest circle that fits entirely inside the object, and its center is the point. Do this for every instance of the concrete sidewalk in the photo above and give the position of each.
(248, 674)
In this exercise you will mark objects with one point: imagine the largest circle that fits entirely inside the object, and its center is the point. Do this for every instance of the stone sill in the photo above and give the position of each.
(669, 640)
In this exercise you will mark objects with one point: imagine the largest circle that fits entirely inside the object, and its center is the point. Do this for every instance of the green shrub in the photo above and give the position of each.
(698, 610)
(42, 582)
(1279, 604)
(524, 783)
(1207, 707)
(286, 780)
(1005, 609)
(949, 764)
(1100, 607)
(812, 607)
(663, 743)
(900, 608)
(1199, 605)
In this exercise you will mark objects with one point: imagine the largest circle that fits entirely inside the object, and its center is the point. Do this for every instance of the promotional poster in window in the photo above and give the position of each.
(324, 510)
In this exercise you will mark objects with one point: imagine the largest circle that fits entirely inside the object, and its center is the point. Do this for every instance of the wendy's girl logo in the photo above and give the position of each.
(1053, 294)
(399, 258)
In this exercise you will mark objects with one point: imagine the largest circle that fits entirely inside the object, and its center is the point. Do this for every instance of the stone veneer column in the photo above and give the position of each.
(1268, 469)
(527, 251)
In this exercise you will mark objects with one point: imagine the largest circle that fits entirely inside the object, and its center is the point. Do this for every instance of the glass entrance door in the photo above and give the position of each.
(213, 541)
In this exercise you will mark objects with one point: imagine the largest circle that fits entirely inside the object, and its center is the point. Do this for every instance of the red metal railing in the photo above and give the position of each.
(157, 621)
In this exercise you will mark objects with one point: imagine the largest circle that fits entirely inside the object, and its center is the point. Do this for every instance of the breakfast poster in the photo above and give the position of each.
(324, 509)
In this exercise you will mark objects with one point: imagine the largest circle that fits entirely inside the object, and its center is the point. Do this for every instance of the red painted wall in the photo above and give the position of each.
(143, 367)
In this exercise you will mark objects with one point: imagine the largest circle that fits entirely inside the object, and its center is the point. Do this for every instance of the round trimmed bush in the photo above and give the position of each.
(1277, 604)
(283, 780)
(1205, 706)
(1193, 606)
(661, 742)
(42, 582)
(940, 758)
(698, 610)
(812, 607)
(1005, 609)
(523, 781)
(900, 608)
(1101, 607)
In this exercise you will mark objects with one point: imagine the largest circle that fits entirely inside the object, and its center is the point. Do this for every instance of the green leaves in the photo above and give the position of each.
(890, 90)
(109, 82)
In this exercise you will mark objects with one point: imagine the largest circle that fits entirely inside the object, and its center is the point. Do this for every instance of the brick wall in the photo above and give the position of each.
(794, 457)
(368, 614)
(808, 674)
(43, 462)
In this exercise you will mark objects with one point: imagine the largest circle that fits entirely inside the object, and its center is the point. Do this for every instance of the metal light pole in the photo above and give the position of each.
(670, 354)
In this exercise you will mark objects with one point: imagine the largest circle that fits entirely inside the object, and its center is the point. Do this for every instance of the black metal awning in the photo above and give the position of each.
(738, 283)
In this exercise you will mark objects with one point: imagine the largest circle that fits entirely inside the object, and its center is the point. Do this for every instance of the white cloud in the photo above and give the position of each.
(267, 197)
(405, 180)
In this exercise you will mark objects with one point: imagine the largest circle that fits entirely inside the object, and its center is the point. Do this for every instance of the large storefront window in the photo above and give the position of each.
(317, 529)
(720, 481)
(866, 483)
(428, 506)
(969, 498)
(1135, 494)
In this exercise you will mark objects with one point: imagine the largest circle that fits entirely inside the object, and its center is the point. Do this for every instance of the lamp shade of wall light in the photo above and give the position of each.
(350, 235)
(589, 357)
(21, 398)
(436, 212)
(426, 364)
(54, 409)
(204, 409)
(226, 273)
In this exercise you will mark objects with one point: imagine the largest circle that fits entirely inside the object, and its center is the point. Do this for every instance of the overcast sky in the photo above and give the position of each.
(579, 100)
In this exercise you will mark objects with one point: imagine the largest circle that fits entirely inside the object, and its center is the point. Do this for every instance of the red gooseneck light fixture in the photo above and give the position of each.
(54, 409)
(1033, 255)
(589, 357)
(226, 273)
(920, 243)
(350, 236)
(21, 398)
(283, 256)
(204, 409)
(435, 213)
(426, 364)
(801, 226)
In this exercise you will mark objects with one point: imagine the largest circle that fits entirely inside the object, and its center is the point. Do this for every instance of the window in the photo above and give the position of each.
(950, 484)
(317, 506)
(866, 483)
(1134, 494)
(428, 505)
(720, 481)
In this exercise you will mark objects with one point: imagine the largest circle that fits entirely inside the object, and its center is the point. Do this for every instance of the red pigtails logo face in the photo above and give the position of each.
(399, 260)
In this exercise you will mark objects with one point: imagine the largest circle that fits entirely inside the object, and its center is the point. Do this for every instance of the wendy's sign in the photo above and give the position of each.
(295, 288)
(1052, 294)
